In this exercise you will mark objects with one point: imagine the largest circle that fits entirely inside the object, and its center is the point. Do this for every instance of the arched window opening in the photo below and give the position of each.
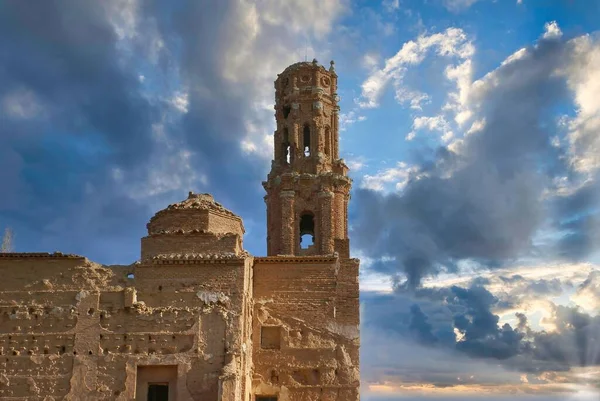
(306, 140)
(327, 141)
(286, 111)
(286, 147)
(307, 230)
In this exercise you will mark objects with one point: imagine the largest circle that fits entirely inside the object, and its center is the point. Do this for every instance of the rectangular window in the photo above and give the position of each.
(270, 337)
(158, 392)
(156, 383)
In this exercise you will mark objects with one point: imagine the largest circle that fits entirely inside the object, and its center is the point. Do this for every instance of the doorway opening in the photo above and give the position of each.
(158, 391)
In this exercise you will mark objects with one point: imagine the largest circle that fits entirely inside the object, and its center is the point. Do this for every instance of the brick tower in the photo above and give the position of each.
(305, 325)
(308, 187)
(197, 317)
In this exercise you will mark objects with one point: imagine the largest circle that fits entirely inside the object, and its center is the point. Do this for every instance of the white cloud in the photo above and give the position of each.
(583, 78)
(416, 98)
(588, 293)
(280, 32)
(551, 30)
(370, 61)
(435, 123)
(180, 101)
(451, 43)
(21, 104)
(459, 5)
(355, 164)
(391, 5)
(347, 119)
(458, 101)
(477, 126)
(397, 176)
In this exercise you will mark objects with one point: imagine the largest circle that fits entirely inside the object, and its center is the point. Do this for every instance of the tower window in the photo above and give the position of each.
(286, 111)
(327, 141)
(287, 149)
(306, 140)
(307, 230)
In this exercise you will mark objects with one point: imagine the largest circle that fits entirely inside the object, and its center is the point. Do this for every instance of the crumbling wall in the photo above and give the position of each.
(71, 329)
(311, 301)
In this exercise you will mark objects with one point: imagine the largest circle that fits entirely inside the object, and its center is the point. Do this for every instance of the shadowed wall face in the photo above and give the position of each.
(197, 317)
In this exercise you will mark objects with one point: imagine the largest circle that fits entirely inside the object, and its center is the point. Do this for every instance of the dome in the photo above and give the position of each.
(196, 225)
(197, 213)
(200, 202)
(303, 64)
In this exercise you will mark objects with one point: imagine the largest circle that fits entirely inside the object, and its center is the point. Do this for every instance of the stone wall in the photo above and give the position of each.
(311, 303)
(71, 329)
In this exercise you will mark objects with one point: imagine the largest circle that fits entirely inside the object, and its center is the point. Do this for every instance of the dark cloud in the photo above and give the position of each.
(75, 114)
(71, 111)
(420, 327)
(482, 203)
(429, 317)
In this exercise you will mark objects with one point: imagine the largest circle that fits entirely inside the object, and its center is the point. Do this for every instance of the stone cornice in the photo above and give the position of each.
(192, 232)
(195, 258)
(296, 259)
(39, 255)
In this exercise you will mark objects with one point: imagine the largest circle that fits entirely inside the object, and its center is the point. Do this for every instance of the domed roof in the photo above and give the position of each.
(200, 201)
(197, 213)
(301, 64)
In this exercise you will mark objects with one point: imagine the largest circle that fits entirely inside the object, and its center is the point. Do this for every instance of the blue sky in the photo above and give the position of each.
(471, 128)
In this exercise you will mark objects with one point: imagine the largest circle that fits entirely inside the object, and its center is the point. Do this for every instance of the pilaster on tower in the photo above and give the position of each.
(308, 188)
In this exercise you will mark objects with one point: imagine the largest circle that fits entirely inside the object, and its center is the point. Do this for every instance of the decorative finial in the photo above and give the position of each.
(331, 66)
(315, 61)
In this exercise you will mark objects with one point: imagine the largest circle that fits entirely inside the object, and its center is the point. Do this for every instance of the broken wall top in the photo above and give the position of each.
(195, 226)
(198, 213)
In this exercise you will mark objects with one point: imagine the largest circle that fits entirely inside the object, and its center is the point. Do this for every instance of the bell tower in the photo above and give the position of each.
(307, 188)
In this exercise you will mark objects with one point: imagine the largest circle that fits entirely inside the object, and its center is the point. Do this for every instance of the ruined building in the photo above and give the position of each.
(197, 317)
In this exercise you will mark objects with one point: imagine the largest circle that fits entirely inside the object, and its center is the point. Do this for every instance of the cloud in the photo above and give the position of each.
(347, 119)
(79, 116)
(480, 200)
(436, 123)
(458, 5)
(588, 293)
(399, 176)
(451, 43)
(551, 31)
(454, 321)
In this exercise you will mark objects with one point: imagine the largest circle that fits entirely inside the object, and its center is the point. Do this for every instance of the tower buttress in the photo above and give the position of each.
(308, 188)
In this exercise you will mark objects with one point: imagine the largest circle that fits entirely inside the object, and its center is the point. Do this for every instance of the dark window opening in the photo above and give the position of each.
(158, 392)
(286, 111)
(266, 398)
(307, 230)
(327, 141)
(306, 141)
(287, 149)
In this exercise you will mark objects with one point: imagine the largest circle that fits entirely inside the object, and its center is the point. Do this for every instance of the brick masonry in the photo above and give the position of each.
(197, 312)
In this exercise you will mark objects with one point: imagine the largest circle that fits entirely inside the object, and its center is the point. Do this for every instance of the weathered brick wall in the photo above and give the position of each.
(310, 300)
(157, 244)
(76, 330)
(188, 220)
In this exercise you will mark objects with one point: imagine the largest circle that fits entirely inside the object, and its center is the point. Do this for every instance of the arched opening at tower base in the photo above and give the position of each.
(307, 230)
